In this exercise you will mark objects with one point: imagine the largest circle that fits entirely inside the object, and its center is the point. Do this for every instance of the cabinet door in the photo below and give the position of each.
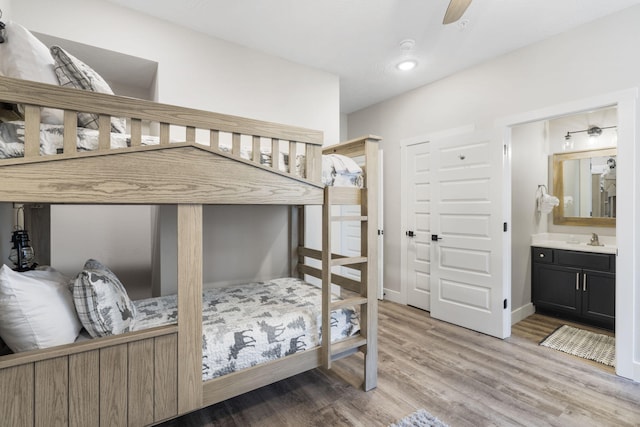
(557, 288)
(599, 297)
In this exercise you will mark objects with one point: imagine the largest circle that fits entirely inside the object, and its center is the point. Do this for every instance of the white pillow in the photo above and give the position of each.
(71, 72)
(23, 56)
(101, 301)
(36, 309)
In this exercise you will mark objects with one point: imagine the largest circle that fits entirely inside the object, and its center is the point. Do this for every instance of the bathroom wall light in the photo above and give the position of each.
(592, 131)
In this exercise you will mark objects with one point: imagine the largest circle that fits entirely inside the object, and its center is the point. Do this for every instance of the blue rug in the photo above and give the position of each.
(420, 418)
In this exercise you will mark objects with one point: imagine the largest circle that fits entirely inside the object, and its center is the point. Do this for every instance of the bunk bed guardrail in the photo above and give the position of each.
(245, 134)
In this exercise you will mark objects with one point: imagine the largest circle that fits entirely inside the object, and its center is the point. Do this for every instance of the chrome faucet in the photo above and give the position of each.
(594, 240)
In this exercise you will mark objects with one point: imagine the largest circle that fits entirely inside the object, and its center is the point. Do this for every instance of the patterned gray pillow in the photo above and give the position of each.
(71, 72)
(102, 303)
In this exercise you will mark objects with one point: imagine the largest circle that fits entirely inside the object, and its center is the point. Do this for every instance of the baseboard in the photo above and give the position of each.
(517, 315)
(393, 296)
(522, 313)
(635, 371)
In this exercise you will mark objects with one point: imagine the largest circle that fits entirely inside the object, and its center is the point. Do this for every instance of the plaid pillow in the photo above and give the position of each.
(102, 303)
(71, 72)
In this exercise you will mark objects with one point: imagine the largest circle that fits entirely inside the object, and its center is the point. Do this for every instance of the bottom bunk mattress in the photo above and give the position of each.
(248, 324)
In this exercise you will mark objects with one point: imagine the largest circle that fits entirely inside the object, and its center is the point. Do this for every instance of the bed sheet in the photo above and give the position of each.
(248, 324)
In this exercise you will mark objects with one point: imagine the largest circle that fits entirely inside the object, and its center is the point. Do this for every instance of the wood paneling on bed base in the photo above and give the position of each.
(132, 382)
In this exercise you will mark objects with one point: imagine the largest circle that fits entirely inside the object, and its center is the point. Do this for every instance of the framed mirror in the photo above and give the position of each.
(585, 183)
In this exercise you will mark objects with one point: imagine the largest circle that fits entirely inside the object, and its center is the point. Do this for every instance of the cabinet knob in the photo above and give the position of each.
(541, 255)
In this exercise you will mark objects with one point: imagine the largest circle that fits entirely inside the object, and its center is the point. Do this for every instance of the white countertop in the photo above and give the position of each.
(574, 242)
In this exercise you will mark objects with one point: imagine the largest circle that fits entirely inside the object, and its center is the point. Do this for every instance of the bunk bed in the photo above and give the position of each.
(146, 376)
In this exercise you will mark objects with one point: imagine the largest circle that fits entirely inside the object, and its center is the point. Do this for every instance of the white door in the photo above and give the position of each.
(418, 230)
(467, 284)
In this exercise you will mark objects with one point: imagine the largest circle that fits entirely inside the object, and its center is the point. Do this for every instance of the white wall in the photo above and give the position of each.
(196, 71)
(524, 80)
(119, 238)
(529, 152)
(553, 72)
(5, 5)
(344, 127)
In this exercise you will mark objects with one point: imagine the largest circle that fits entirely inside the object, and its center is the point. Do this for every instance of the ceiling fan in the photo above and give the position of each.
(455, 10)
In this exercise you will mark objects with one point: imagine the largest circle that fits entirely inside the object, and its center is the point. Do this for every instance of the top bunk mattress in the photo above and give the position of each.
(337, 170)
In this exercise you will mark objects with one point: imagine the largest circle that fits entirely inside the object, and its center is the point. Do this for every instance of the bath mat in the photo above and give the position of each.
(578, 342)
(420, 418)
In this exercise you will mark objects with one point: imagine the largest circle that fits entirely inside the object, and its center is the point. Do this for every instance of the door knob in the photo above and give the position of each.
(435, 238)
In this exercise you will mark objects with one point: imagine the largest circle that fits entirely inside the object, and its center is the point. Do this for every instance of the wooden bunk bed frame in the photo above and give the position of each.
(145, 377)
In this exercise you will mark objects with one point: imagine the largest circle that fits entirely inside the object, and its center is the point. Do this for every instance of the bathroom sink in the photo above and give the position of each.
(574, 242)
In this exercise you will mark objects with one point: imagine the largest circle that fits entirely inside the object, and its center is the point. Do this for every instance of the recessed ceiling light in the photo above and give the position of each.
(407, 65)
(407, 60)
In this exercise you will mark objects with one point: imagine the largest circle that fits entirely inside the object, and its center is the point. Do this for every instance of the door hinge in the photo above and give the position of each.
(410, 233)
(505, 303)
(380, 232)
(504, 227)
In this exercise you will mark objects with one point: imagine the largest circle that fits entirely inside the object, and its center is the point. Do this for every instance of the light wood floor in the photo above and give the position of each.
(462, 377)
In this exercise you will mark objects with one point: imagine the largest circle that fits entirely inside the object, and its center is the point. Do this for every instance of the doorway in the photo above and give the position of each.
(627, 244)
(532, 147)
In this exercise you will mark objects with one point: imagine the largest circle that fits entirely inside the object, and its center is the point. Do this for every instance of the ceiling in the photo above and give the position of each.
(359, 40)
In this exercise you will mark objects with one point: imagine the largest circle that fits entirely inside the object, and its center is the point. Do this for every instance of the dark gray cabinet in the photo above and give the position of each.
(574, 284)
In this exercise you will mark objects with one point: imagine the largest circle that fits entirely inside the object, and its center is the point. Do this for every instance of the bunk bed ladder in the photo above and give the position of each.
(335, 350)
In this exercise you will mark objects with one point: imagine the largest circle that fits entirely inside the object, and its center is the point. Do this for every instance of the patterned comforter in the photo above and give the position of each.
(244, 325)
(51, 139)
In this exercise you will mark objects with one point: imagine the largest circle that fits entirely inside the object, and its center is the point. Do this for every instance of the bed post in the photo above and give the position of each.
(37, 221)
(296, 239)
(369, 246)
(326, 279)
(189, 308)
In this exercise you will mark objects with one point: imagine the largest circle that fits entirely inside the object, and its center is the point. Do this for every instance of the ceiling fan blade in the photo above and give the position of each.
(455, 10)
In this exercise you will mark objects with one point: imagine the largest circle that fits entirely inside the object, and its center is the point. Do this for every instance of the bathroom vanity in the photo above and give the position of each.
(574, 280)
